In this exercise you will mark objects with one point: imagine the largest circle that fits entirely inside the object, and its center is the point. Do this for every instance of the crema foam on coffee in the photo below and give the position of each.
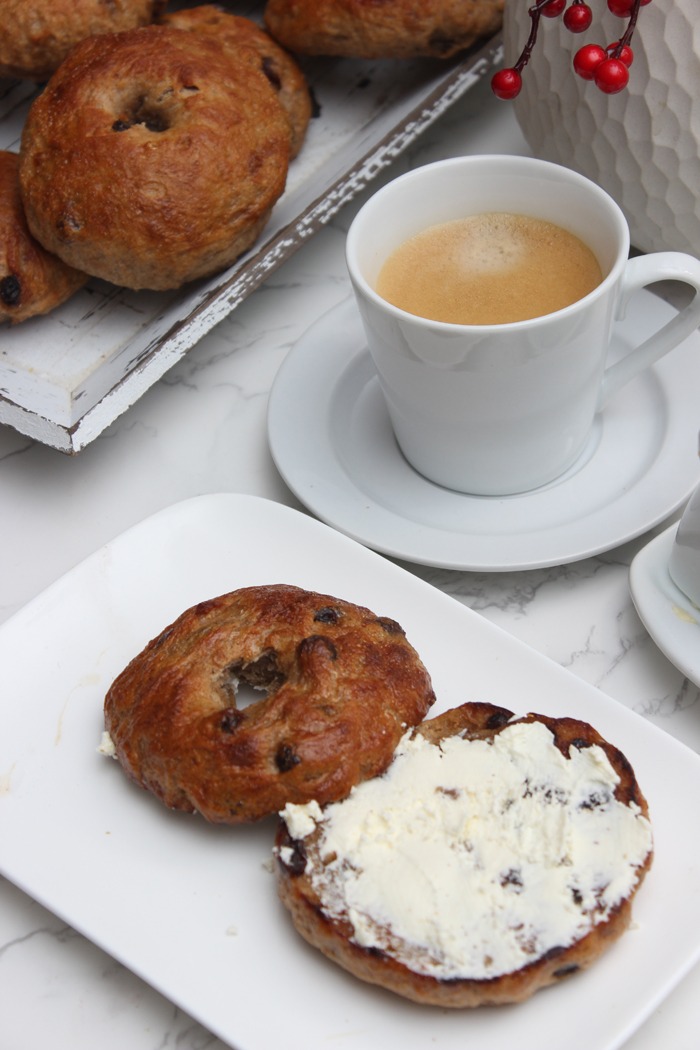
(492, 268)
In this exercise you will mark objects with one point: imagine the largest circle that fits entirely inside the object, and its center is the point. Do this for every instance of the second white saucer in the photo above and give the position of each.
(331, 439)
(668, 615)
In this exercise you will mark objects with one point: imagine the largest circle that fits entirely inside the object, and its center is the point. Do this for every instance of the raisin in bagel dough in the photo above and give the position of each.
(32, 281)
(151, 158)
(234, 32)
(341, 686)
(456, 881)
(36, 36)
(390, 29)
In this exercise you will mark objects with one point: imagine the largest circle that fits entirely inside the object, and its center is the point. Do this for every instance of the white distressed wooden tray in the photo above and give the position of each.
(67, 376)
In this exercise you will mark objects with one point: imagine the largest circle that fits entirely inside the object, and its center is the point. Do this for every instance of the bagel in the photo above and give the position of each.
(36, 37)
(32, 281)
(341, 684)
(391, 29)
(494, 857)
(234, 33)
(152, 158)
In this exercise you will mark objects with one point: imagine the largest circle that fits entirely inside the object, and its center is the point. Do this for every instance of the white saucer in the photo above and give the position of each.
(332, 442)
(668, 615)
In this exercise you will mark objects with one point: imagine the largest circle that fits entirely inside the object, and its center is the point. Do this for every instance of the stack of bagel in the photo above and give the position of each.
(161, 140)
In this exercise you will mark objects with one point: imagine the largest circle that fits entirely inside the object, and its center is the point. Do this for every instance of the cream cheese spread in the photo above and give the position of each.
(473, 858)
(106, 746)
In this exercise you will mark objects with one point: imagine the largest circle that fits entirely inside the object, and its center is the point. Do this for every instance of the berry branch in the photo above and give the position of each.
(607, 67)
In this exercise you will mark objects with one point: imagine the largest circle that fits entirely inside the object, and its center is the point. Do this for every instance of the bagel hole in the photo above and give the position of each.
(239, 693)
(153, 119)
(247, 695)
(246, 684)
(150, 114)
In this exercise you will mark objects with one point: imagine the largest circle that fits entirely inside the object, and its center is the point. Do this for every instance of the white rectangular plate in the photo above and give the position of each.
(66, 376)
(193, 908)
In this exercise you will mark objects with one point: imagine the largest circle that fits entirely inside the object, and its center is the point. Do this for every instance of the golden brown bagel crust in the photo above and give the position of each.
(342, 684)
(32, 281)
(151, 158)
(234, 32)
(381, 28)
(333, 937)
(36, 36)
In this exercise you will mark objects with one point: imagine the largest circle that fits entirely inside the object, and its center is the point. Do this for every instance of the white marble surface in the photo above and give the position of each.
(202, 429)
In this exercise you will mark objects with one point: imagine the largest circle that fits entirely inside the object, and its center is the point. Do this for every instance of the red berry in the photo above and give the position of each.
(626, 54)
(578, 17)
(506, 83)
(587, 59)
(621, 8)
(611, 76)
(553, 9)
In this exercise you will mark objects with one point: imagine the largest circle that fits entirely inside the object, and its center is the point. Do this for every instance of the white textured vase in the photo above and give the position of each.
(641, 145)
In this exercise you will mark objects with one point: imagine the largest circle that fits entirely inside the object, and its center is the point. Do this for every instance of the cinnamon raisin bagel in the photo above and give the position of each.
(495, 856)
(340, 685)
(152, 158)
(235, 32)
(390, 29)
(32, 281)
(35, 37)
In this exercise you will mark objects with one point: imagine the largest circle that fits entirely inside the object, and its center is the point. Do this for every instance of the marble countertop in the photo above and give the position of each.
(202, 429)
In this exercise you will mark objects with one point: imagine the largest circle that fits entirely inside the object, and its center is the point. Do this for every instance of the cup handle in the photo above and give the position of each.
(639, 273)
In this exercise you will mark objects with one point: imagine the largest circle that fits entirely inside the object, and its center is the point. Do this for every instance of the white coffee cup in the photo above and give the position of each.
(500, 409)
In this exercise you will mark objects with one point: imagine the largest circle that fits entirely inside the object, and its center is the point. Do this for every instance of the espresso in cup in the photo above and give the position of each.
(492, 268)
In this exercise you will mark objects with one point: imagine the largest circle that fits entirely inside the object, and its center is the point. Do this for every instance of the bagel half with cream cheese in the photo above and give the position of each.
(495, 856)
